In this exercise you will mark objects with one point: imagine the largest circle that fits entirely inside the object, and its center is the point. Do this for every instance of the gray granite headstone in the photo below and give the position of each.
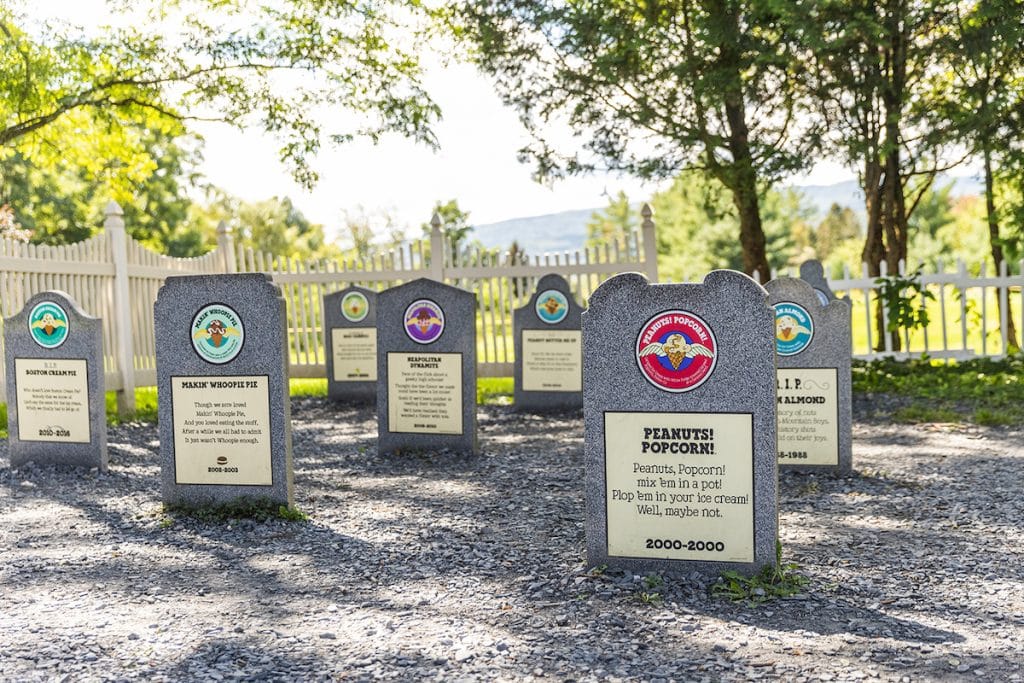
(56, 402)
(548, 349)
(813, 273)
(814, 345)
(679, 425)
(222, 385)
(426, 365)
(350, 338)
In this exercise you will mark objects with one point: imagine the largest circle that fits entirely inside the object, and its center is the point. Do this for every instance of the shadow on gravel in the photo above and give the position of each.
(230, 658)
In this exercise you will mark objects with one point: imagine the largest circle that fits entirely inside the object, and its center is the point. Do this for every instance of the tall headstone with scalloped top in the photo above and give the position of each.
(679, 425)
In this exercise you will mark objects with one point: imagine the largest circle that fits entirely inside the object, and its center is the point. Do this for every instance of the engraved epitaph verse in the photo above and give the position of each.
(425, 393)
(808, 416)
(222, 430)
(355, 354)
(680, 485)
(552, 360)
(53, 400)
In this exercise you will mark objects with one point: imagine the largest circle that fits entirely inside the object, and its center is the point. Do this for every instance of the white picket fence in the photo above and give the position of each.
(115, 278)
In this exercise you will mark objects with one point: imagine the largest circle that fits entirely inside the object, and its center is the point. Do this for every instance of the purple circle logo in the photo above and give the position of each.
(424, 321)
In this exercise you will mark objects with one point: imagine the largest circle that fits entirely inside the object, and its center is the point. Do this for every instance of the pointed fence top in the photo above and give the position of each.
(435, 221)
(113, 209)
(222, 228)
(646, 211)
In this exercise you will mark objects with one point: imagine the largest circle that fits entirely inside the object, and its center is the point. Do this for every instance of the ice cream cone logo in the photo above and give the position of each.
(217, 333)
(48, 324)
(424, 321)
(355, 307)
(676, 351)
(794, 328)
(552, 306)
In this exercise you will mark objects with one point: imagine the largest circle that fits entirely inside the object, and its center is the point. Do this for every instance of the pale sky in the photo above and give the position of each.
(476, 163)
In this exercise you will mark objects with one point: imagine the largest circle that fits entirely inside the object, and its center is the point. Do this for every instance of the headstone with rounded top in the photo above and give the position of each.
(56, 402)
(812, 272)
(548, 349)
(679, 425)
(350, 338)
(814, 347)
(222, 385)
(426, 365)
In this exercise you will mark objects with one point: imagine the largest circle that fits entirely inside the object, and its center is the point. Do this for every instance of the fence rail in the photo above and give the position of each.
(117, 279)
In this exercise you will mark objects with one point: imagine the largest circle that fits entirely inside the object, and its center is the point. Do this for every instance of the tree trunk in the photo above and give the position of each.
(741, 176)
(997, 249)
(874, 247)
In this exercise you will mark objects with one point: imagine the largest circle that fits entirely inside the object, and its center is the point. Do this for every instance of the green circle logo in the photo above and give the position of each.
(217, 333)
(48, 324)
(355, 307)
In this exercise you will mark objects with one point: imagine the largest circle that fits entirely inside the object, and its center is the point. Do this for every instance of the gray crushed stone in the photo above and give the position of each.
(447, 567)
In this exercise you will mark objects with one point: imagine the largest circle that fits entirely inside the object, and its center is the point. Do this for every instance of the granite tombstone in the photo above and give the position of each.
(350, 337)
(548, 348)
(426, 363)
(222, 382)
(56, 403)
(813, 273)
(679, 425)
(813, 342)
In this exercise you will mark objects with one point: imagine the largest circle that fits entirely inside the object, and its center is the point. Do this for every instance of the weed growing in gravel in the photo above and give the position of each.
(260, 510)
(809, 489)
(768, 584)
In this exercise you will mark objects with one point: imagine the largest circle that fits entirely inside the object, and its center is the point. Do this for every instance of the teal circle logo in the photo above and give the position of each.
(355, 307)
(552, 306)
(48, 324)
(217, 333)
(794, 328)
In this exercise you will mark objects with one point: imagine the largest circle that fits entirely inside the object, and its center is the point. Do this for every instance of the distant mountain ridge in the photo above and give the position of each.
(567, 230)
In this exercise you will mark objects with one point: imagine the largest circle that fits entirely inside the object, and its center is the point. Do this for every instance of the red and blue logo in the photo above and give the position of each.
(676, 351)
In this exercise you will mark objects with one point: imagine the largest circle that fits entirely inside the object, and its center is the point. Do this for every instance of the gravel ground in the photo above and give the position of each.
(472, 568)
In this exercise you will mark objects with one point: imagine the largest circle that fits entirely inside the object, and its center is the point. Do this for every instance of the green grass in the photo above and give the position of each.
(494, 391)
(984, 391)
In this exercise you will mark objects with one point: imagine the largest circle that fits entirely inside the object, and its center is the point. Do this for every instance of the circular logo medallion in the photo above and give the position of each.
(355, 307)
(48, 324)
(676, 351)
(424, 321)
(793, 328)
(217, 333)
(552, 306)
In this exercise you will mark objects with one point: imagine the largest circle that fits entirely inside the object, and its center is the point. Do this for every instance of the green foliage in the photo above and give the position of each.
(839, 225)
(244, 62)
(613, 223)
(983, 390)
(494, 391)
(3, 420)
(258, 509)
(904, 297)
(772, 582)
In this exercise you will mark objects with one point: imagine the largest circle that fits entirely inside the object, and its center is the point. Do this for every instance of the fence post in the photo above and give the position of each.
(650, 243)
(437, 249)
(113, 224)
(226, 248)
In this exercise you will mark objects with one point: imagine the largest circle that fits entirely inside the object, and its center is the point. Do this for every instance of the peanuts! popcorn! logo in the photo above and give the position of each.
(676, 351)
(794, 328)
(217, 333)
(48, 324)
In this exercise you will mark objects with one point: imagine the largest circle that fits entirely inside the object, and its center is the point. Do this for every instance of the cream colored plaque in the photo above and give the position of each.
(552, 360)
(53, 400)
(355, 354)
(222, 430)
(680, 486)
(425, 393)
(808, 412)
